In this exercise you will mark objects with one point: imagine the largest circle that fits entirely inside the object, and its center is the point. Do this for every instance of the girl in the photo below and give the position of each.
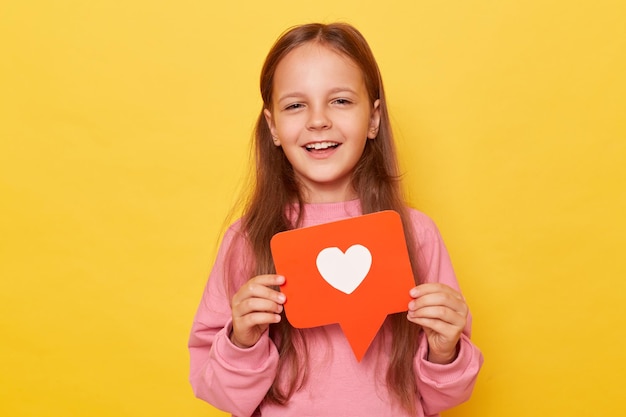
(325, 152)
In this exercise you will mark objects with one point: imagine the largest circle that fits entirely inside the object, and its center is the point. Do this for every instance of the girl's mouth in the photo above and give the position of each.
(320, 146)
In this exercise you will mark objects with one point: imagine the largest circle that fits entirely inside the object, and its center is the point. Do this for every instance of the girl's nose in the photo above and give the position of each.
(318, 119)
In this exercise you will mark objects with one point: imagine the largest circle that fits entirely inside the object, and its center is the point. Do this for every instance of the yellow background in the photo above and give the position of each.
(124, 129)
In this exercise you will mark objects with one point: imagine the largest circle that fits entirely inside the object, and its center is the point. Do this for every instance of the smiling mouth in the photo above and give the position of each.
(317, 146)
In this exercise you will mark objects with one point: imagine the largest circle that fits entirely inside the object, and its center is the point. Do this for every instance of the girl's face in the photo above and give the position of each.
(321, 116)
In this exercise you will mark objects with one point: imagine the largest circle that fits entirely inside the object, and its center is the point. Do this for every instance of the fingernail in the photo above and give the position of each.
(414, 292)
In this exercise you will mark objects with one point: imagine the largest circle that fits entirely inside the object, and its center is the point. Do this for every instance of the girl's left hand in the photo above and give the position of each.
(442, 313)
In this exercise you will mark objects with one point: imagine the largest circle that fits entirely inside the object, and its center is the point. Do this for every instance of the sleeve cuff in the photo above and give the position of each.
(252, 359)
(468, 359)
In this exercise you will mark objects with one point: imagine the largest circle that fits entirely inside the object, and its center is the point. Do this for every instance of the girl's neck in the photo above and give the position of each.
(321, 196)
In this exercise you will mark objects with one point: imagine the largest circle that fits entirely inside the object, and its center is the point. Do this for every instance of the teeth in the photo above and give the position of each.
(321, 145)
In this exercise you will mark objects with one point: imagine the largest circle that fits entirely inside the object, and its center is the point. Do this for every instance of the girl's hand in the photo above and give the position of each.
(254, 307)
(442, 313)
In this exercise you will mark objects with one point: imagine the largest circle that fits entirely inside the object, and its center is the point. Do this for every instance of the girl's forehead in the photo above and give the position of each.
(316, 69)
(314, 50)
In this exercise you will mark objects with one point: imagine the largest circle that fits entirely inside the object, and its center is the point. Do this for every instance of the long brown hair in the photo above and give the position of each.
(375, 180)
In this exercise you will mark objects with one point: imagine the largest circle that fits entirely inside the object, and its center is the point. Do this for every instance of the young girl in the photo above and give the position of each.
(325, 152)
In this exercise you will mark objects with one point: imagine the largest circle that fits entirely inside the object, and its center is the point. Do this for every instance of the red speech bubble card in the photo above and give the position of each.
(353, 272)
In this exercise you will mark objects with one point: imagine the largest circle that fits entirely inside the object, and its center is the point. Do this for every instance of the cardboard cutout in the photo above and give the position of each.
(353, 272)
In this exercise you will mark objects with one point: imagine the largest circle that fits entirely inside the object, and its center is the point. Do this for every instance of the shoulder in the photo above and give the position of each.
(234, 237)
(235, 228)
(423, 226)
(235, 257)
(433, 260)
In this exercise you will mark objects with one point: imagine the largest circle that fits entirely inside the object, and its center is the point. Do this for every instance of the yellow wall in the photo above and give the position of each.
(124, 128)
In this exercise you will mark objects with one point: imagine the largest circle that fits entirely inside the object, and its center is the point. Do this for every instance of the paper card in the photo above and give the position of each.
(353, 272)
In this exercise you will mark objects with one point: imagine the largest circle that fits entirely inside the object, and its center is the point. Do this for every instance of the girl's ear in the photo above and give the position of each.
(270, 123)
(372, 132)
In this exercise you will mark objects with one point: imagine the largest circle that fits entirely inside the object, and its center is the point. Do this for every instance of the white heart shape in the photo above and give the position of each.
(344, 271)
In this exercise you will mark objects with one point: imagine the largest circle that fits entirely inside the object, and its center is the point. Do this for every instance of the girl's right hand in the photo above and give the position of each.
(255, 306)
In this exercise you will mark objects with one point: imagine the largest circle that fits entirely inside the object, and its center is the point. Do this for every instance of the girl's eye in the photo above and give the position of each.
(342, 101)
(294, 106)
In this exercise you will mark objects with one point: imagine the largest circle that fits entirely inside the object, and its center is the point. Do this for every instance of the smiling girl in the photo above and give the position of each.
(325, 152)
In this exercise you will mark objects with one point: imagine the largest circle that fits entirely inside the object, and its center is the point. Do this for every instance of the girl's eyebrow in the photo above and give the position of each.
(335, 90)
(342, 90)
(290, 95)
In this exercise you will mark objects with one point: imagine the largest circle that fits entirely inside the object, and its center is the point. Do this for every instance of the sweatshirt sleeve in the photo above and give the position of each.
(442, 387)
(230, 378)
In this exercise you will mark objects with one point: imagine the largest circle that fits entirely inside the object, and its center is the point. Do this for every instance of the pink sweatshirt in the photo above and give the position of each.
(236, 380)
